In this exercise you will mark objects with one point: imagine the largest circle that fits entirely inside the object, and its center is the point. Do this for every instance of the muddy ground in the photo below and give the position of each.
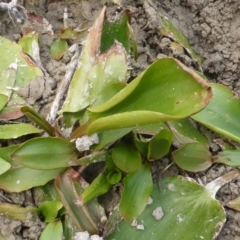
(213, 28)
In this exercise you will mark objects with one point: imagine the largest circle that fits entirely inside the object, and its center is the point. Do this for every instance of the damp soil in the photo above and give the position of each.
(213, 29)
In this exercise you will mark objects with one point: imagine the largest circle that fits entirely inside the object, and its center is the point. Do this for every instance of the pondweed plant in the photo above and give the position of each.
(126, 126)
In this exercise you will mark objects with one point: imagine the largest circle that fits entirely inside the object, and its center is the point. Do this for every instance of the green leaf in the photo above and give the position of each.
(98, 187)
(53, 231)
(86, 217)
(114, 177)
(17, 212)
(3, 101)
(4, 166)
(16, 130)
(159, 145)
(94, 72)
(29, 43)
(21, 179)
(222, 113)
(182, 91)
(184, 132)
(193, 157)
(169, 30)
(58, 48)
(6, 152)
(137, 189)
(182, 208)
(49, 210)
(38, 119)
(126, 157)
(117, 30)
(228, 157)
(45, 153)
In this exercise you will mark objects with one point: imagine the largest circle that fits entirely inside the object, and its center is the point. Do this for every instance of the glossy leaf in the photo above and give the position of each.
(58, 48)
(137, 189)
(85, 218)
(139, 102)
(21, 179)
(98, 187)
(228, 157)
(49, 210)
(3, 101)
(53, 231)
(126, 157)
(17, 212)
(6, 152)
(94, 71)
(193, 157)
(159, 145)
(45, 153)
(182, 208)
(222, 114)
(4, 166)
(8, 131)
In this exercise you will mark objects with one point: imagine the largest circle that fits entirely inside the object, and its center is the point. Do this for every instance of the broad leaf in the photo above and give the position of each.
(53, 231)
(137, 189)
(126, 157)
(167, 90)
(222, 114)
(16, 130)
(21, 179)
(182, 208)
(193, 157)
(45, 153)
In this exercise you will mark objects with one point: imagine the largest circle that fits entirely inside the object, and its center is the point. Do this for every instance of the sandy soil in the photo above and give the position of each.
(213, 30)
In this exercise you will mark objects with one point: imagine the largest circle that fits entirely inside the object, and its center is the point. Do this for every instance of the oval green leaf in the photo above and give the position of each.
(21, 179)
(137, 189)
(182, 208)
(193, 157)
(114, 176)
(45, 153)
(126, 157)
(160, 145)
(8, 131)
(58, 48)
